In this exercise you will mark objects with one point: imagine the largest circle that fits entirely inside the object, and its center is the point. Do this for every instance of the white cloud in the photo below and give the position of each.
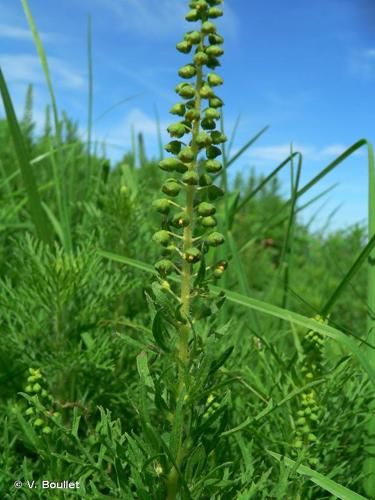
(361, 63)
(16, 33)
(27, 68)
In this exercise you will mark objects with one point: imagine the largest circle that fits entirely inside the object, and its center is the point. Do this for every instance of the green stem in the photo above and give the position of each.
(183, 344)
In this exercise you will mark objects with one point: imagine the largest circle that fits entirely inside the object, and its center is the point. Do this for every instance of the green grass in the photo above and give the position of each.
(149, 389)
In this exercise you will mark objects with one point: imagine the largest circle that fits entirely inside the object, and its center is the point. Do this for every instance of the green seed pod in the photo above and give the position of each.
(173, 147)
(203, 139)
(177, 130)
(29, 388)
(208, 221)
(184, 46)
(162, 237)
(201, 5)
(212, 114)
(46, 430)
(166, 251)
(215, 239)
(214, 192)
(181, 168)
(208, 28)
(161, 205)
(213, 63)
(205, 209)
(216, 102)
(300, 413)
(215, 51)
(38, 422)
(186, 90)
(30, 411)
(187, 71)
(214, 12)
(171, 188)
(213, 152)
(191, 178)
(208, 124)
(192, 15)
(213, 166)
(215, 2)
(218, 272)
(164, 267)
(205, 180)
(214, 80)
(312, 438)
(169, 164)
(178, 109)
(192, 115)
(192, 255)
(301, 421)
(206, 92)
(218, 138)
(216, 39)
(37, 388)
(313, 417)
(200, 58)
(180, 220)
(186, 155)
(194, 37)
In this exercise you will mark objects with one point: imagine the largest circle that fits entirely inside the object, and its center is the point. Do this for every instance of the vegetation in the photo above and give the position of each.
(236, 365)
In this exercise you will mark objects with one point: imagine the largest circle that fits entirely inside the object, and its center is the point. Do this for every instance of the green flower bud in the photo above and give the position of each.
(171, 188)
(164, 267)
(192, 255)
(37, 388)
(215, 239)
(205, 180)
(184, 46)
(218, 138)
(213, 166)
(213, 152)
(208, 28)
(30, 411)
(203, 139)
(187, 71)
(180, 220)
(191, 178)
(200, 58)
(215, 51)
(312, 438)
(186, 155)
(205, 209)
(212, 114)
(206, 92)
(177, 130)
(38, 422)
(29, 388)
(208, 221)
(162, 205)
(162, 237)
(208, 124)
(192, 115)
(216, 39)
(216, 102)
(186, 90)
(301, 421)
(194, 37)
(46, 430)
(31, 379)
(173, 147)
(214, 80)
(178, 109)
(169, 164)
(214, 12)
(192, 15)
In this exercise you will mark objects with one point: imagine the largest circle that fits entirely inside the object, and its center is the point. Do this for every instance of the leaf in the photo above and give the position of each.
(160, 332)
(323, 481)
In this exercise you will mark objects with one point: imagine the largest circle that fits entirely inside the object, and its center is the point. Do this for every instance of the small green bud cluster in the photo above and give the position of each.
(35, 388)
(309, 410)
(194, 134)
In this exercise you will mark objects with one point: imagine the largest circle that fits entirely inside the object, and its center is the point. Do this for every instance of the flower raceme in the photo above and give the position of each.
(188, 226)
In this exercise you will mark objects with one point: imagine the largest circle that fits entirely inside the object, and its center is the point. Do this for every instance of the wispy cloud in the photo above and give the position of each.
(361, 63)
(157, 18)
(16, 33)
(26, 68)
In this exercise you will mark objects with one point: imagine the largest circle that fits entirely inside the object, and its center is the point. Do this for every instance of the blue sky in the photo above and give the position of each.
(305, 68)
